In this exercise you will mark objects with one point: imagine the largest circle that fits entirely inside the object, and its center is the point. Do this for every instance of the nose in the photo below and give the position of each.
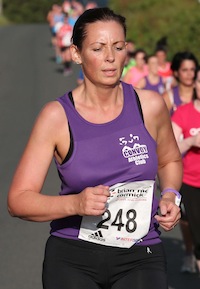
(110, 54)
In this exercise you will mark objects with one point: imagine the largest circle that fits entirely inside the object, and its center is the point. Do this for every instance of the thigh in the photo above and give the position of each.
(55, 277)
(142, 266)
(143, 279)
(61, 272)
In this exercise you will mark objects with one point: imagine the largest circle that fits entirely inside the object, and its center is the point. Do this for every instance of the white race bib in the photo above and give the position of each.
(127, 217)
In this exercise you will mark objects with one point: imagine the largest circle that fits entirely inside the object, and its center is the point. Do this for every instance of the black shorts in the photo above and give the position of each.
(74, 264)
(191, 201)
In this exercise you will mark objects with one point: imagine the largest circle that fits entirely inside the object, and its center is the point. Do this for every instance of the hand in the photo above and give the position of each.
(92, 201)
(169, 214)
(196, 140)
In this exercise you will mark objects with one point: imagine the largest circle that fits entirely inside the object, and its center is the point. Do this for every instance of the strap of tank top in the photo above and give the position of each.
(139, 106)
(71, 146)
(137, 99)
(129, 89)
(71, 98)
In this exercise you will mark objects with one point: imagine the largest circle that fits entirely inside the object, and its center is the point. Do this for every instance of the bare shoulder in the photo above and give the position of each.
(51, 124)
(165, 95)
(152, 103)
(52, 113)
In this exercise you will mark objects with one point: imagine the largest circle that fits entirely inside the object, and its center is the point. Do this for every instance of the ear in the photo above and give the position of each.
(176, 74)
(75, 54)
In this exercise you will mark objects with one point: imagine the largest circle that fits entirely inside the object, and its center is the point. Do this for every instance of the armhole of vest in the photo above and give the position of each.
(71, 145)
(71, 98)
(139, 106)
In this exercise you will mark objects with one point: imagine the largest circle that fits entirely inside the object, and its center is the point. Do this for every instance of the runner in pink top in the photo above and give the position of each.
(186, 125)
(138, 71)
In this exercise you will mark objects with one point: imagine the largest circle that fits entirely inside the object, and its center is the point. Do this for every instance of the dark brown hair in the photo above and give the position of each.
(92, 16)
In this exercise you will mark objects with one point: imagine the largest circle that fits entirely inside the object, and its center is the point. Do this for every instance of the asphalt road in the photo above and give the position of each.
(29, 78)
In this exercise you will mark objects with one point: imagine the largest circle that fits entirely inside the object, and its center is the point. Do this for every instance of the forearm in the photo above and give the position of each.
(36, 207)
(170, 175)
(185, 144)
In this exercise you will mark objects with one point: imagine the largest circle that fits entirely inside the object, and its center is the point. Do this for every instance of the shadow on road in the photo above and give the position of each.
(178, 280)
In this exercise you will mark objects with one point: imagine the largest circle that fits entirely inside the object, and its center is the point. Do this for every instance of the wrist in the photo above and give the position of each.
(71, 205)
(189, 141)
(177, 195)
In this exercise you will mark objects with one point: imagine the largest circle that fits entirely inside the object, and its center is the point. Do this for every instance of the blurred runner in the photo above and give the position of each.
(187, 133)
(153, 81)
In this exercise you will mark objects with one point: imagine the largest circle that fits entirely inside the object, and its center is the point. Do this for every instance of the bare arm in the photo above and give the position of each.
(169, 157)
(185, 144)
(158, 123)
(167, 99)
(25, 199)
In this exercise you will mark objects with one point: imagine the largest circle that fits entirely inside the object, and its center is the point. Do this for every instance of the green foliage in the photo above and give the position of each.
(150, 20)
(147, 20)
(4, 21)
(27, 11)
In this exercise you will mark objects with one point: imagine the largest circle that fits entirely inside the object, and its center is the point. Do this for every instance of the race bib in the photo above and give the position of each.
(127, 217)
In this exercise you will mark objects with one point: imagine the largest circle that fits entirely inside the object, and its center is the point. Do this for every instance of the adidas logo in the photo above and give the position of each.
(97, 236)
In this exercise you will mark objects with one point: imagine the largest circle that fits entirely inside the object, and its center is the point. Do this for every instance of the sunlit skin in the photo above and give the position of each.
(197, 87)
(185, 76)
(103, 54)
(186, 73)
(140, 65)
(153, 75)
(102, 59)
(140, 60)
(187, 143)
(153, 65)
(161, 55)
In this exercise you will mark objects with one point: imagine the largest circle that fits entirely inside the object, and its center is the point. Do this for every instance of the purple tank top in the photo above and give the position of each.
(159, 87)
(118, 151)
(176, 99)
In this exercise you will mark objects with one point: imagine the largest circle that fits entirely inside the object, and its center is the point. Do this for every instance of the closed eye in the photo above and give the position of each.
(96, 49)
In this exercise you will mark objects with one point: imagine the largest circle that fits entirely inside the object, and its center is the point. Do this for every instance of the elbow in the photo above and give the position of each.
(11, 210)
(13, 207)
(15, 213)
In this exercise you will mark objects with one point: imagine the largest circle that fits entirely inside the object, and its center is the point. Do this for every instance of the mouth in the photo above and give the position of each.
(109, 71)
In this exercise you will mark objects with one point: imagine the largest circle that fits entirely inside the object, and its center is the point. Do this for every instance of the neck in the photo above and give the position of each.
(101, 96)
(98, 104)
(153, 77)
(197, 104)
(186, 92)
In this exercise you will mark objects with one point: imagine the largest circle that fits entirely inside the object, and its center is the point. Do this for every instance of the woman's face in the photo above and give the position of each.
(140, 59)
(161, 55)
(153, 64)
(186, 72)
(103, 52)
(197, 85)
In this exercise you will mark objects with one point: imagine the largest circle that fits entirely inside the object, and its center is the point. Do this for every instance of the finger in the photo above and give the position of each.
(167, 224)
(102, 190)
(97, 212)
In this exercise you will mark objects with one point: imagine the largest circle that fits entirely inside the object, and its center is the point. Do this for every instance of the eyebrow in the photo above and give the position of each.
(97, 42)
